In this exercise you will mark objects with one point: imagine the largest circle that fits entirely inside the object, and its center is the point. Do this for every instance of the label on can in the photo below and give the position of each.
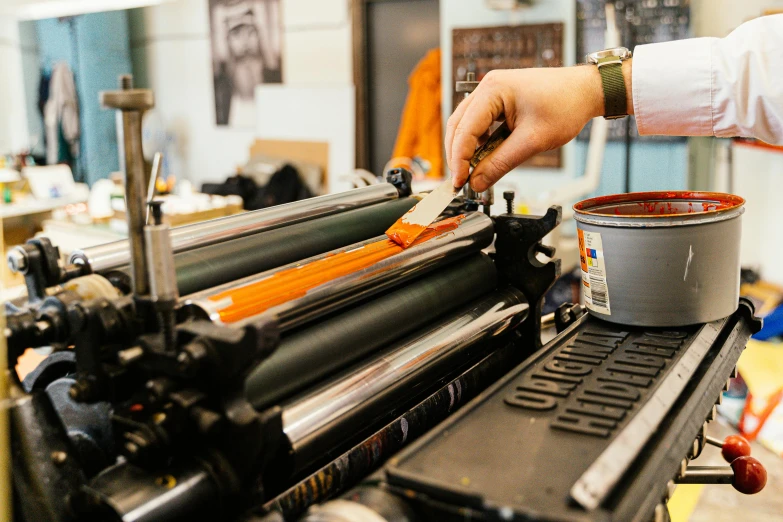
(591, 259)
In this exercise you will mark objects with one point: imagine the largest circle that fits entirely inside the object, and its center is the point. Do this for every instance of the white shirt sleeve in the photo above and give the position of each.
(722, 87)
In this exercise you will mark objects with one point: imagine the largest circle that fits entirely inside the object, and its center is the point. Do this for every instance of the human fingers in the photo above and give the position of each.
(517, 148)
(485, 108)
(451, 125)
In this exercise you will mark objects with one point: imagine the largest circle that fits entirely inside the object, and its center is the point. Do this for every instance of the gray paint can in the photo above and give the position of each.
(660, 258)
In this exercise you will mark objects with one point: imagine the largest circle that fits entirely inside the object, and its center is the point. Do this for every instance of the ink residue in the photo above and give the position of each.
(292, 283)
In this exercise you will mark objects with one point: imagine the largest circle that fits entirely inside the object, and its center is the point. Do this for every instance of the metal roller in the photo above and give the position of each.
(318, 350)
(352, 466)
(215, 265)
(319, 421)
(323, 283)
(116, 254)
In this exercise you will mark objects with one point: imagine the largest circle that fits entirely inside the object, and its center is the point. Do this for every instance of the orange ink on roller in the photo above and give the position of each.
(295, 282)
(403, 232)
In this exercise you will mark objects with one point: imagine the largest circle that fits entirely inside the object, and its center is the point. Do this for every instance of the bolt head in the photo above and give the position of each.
(74, 392)
(17, 260)
(59, 457)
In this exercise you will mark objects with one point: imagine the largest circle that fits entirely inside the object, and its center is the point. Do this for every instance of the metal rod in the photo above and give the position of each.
(472, 234)
(162, 275)
(131, 103)
(156, 164)
(318, 350)
(135, 200)
(548, 321)
(369, 390)
(707, 475)
(114, 255)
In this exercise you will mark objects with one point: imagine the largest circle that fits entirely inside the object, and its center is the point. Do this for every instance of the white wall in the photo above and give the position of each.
(14, 136)
(720, 17)
(171, 55)
(758, 177)
(32, 77)
(474, 13)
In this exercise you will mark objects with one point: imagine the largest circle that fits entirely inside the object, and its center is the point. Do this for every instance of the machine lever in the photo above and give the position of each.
(732, 447)
(746, 474)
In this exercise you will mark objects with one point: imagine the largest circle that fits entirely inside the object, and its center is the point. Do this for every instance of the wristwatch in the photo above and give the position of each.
(610, 65)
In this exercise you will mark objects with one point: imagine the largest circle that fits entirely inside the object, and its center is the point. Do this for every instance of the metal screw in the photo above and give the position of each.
(126, 82)
(156, 209)
(509, 197)
(131, 448)
(183, 360)
(81, 391)
(695, 448)
(515, 229)
(683, 467)
(75, 392)
(17, 260)
(59, 457)
(661, 513)
(712, 414)
(127, 356)
(670, 487)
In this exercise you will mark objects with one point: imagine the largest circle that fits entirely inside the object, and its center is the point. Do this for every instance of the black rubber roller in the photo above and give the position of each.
(312, 353)
(214, 265)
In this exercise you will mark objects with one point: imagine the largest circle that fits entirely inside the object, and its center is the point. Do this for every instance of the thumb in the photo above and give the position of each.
(518, 147)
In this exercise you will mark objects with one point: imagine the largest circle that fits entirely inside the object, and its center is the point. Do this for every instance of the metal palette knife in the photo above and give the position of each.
(410, 226)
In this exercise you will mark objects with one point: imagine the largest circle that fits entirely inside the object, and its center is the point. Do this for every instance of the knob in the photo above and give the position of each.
(750, 477)
(732, 447)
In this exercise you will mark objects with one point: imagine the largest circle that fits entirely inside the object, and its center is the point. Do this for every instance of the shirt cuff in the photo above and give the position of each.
(672, 88)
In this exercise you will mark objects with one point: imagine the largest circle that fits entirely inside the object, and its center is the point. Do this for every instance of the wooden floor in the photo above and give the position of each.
(722, 503)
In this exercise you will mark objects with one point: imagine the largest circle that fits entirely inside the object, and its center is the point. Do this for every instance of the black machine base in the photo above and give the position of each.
(603, 415)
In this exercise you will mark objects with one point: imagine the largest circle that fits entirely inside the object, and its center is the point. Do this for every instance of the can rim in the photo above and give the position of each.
(726, 203)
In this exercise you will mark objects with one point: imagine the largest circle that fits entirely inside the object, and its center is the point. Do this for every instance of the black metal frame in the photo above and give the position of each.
(182, 408)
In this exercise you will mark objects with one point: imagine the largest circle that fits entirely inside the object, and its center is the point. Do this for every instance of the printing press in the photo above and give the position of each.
(293, 364)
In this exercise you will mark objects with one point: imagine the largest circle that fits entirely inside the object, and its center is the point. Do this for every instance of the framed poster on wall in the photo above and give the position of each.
(246, 38)
(483, 49)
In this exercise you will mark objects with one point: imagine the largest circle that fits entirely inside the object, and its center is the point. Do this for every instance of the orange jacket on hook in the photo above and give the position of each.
(420, 126)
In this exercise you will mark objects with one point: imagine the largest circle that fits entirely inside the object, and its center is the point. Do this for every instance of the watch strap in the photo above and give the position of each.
(615, 100)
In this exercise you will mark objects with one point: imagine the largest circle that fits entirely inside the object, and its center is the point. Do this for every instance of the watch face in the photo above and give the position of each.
(620, 52)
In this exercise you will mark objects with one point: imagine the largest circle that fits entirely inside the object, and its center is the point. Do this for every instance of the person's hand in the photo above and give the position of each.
(544, 108)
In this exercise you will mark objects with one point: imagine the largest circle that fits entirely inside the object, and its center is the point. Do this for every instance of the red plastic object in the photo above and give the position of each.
(734, 447)
(750, 477)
